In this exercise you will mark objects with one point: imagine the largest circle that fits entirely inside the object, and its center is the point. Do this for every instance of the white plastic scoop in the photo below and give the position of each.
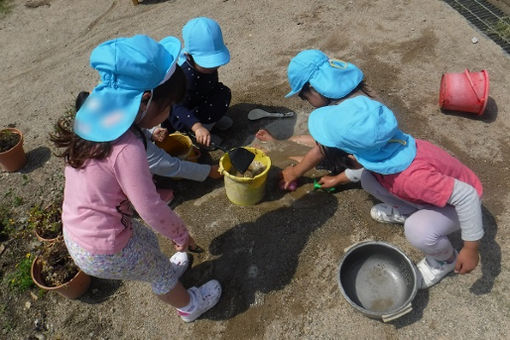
(259, 113)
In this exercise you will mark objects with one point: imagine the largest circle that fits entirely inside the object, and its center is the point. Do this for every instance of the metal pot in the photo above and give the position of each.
(378, 280)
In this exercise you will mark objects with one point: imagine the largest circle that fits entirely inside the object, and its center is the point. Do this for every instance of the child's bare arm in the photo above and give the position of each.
(311, 159)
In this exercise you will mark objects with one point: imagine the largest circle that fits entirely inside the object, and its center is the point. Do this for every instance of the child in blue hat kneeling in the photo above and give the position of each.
(421, 186)
(107, 174)
(207, 100)
(322, 81)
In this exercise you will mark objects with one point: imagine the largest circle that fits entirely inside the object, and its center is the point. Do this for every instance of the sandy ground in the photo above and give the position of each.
(277, 260)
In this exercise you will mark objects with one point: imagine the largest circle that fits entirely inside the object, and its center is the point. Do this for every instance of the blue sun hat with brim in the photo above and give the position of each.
(332, 78)
(128, 67)
(203, 40)
(366, 129)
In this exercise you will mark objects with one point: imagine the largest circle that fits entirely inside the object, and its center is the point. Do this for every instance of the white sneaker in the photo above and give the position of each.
(180, 263)
(386, 213)
(206, 296)
(432, 270)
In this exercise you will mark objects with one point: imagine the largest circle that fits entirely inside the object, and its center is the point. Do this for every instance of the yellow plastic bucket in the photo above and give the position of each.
(245, 190)
(177, 145)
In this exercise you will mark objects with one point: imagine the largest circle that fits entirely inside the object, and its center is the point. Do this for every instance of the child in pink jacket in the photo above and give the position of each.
(107, 174)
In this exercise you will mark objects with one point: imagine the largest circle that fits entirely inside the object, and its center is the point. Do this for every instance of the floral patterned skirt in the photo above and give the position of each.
(140, 260)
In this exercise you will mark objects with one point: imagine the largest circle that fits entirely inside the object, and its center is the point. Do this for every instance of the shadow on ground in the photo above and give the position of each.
(488, 116)
(490, 256)
(261, 256)
(100, 290)
(153, 2)
(36, 158)
(243, 131)
(420, 303)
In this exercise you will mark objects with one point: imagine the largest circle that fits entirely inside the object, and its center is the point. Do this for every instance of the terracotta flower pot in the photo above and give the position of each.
(45, 218)
(72, 289)
(14, 158)
(44, 239)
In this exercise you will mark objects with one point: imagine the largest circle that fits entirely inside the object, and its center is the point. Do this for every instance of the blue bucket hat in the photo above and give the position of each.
(128, 67)
(203, 40)
(332, 78)
(368, 130)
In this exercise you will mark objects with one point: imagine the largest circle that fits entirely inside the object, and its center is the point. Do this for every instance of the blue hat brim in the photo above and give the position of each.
(293, 92)
(329, 128)
(173, 47)
(218, 59)
(107, 113)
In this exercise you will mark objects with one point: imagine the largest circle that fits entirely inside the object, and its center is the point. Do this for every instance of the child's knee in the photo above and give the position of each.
(419, 234)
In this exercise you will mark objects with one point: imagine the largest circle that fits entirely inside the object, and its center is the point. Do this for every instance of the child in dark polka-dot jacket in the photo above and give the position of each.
(207, 100)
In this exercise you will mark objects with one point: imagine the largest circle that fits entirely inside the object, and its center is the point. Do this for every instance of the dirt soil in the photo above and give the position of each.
(277, 260)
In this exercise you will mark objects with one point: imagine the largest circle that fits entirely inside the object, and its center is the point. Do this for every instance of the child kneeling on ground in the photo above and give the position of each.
(207, 100)
(321, 81)
(421, 186)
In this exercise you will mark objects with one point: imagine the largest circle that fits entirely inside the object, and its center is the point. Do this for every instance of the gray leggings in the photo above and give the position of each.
(426, 226)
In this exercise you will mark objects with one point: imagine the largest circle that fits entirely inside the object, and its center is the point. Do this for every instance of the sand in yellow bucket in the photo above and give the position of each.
(178, 145)
(248, 188)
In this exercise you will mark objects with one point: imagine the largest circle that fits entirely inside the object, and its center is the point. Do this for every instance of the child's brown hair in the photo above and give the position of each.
(78, 150)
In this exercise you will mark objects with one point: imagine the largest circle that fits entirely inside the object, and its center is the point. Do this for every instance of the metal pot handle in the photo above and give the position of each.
(391, 317)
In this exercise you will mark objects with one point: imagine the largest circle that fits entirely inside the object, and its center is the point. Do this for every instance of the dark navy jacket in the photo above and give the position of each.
(206, 100)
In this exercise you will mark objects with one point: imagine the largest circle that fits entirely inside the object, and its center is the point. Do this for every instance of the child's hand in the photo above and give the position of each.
(214, 173)
(159, 134)
(291, 187)
(467, 260)
(288, 176)
(327, 182)
(333, 181)
(202, 135)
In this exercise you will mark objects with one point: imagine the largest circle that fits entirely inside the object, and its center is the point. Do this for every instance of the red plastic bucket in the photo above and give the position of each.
(466, 91)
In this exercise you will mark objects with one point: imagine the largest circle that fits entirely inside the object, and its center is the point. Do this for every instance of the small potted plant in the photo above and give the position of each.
(54, 269)
(47, 221)
(12, 155)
